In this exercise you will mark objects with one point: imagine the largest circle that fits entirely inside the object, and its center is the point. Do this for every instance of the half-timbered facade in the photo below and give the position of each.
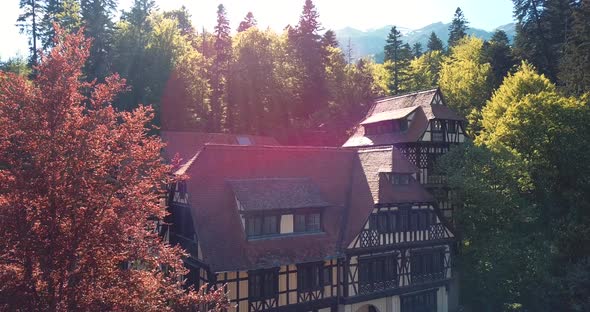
(423, 128)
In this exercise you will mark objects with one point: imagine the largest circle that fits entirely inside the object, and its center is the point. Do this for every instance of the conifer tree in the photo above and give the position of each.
(183, 18)
(29, 23)
(498, 53)
(575, 65)
(329, 39)
(219, 69)
(434, 43)
(458, 28)
(307, 41)
(417, 49)
(249, 21)
(96, 16)
(397, 57)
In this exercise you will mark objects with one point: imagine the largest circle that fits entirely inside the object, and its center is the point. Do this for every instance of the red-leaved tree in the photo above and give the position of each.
(79, 182)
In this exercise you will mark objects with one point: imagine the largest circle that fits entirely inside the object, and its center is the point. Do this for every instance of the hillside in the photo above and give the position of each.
(371, 42)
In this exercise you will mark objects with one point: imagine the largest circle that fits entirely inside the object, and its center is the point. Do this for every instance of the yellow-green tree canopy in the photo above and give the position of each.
(424, 71)
(465, 76)
(514, 88)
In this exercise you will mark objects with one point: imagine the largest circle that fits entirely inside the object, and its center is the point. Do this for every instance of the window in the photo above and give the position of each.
(310, 276)
(452, 128)
(421, 302)
(244, 140)
(427, 265)
(437, 131)
(400, 179)
(308, 222)
(403, 125)
(263, 284)
(377, 273)
(262, 225)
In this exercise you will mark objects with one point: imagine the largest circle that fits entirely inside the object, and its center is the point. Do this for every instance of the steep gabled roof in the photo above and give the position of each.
(277, 193)
(377, 162)
(186, 143)
(424, 105)
(335, 173)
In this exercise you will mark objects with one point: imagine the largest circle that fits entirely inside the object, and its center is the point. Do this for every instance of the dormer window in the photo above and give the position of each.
(400, 179)
(307, 222)
(258, 225)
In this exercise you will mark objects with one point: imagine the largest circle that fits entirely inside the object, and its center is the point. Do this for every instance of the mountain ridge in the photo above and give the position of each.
(371, 42)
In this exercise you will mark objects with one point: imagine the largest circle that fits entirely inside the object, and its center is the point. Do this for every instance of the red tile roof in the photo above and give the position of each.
(336, 172)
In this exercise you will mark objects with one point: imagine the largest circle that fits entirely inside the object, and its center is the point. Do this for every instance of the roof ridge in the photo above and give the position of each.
(218, 146)
(269, 178)
(218, 133)
(386, 98)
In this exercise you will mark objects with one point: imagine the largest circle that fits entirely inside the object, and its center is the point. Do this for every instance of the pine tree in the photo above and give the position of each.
(575, 65)
(183, 18)
(329, 39)
(307, 41)
(458, 28)
(542, 29)
(397, 57)
(417, 49)
(249, 21)
(29, 23)
(499, 54)
(96, 16)
(434, 43)
(219, 69)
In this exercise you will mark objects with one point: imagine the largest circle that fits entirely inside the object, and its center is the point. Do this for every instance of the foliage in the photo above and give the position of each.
(525, 220)
(465, 78)
(248, 22)
(15, 65)
(219, 69)
(397, 58)
(96, 18)
(81, 188)
(498, 53)
(575, 66)
(515, 87)
(29, 23)
(424, 71)
(434, 43)
(458, 28)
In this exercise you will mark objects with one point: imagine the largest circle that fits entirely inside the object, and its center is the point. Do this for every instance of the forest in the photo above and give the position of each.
(523, 180)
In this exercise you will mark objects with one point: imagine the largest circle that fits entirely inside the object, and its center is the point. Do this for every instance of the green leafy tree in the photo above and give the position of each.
(434, 43)
(525, 222)
(525, 81)
(249, 21)
(465, 79)
(65, 13)
(16, 65)
(424, 71)
(458, 28)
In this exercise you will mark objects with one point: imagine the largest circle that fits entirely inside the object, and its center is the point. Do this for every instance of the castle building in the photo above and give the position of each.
(293, 228)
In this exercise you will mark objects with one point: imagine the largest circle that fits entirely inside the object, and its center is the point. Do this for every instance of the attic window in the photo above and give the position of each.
(262, 225)
(243, 140)
(400, 179)
(307, 222)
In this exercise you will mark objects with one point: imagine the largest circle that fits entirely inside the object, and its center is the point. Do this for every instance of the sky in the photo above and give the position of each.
(276, 14)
